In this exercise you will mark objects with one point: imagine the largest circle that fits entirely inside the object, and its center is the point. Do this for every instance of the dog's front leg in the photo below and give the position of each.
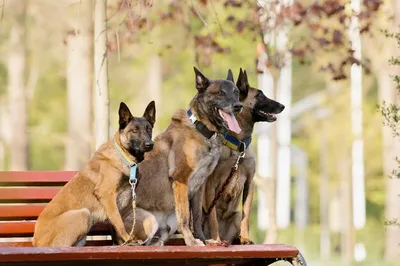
(108, 199)
(213, 225)
(196, 204)
(110, 205)
(182, 212)
(247, 200)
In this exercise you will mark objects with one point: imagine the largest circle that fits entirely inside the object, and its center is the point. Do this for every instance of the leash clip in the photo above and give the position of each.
(133, 186)
(241, 156)
(133, 180)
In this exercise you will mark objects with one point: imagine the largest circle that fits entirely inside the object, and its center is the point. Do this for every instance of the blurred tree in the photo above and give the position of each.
(17, 94)
(79, 86)
(390, 109)
(101, 91)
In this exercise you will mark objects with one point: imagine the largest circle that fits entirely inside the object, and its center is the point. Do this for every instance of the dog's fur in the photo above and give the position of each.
(181, 161)
(225, 222)
(91, 196)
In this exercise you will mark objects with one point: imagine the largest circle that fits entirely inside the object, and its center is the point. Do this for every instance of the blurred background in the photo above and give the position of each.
(327, 172)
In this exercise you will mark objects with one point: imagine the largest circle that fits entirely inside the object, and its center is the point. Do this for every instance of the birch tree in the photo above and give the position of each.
(79, 86)
(17, 100)
(389, 92)
(101, 93)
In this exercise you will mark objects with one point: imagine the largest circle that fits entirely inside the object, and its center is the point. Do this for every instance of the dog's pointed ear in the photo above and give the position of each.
(202, 82)
(243, 84)
(150, 113)
(230, 76)
(125, 115)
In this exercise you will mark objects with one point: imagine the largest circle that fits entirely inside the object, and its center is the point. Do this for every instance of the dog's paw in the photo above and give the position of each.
(217, 243)
(193, 242)
(133, 242)
(212, 242)
(246, 241)
(199, 242)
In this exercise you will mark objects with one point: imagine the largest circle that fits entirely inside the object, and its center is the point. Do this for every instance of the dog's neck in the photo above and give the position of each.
(135, 156)
(201, 117)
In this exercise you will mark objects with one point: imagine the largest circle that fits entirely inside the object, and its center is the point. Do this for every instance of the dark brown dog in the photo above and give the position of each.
(224, 222)
(182, 158)
(91, 196)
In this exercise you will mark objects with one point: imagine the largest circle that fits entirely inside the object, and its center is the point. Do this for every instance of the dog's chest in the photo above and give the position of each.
(206, 161)
(235, 186)
(124, 193)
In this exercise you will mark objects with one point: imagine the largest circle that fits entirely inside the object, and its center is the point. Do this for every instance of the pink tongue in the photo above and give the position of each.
(231, 120)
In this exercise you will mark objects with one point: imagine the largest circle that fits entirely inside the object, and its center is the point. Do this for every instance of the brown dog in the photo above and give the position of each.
(91, 196)
(182, 158)
(224, 222)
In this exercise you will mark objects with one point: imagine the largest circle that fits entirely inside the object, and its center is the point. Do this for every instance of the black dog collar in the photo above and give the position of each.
(199, 125)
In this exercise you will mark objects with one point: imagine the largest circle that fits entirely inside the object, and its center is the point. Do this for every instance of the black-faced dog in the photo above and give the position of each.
(224, 222)
(91, 196)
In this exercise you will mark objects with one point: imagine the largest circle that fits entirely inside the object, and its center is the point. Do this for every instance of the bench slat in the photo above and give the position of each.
(20, 211)
(36, 176)
(28, 193)
(145, 253)
(26, 228)
(29, 243)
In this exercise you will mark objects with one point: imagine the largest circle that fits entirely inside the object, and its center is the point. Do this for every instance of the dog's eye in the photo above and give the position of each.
(236, 92)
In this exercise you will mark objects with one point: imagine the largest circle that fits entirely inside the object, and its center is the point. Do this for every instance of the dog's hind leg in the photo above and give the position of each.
(70, 228)
(146, 225)
(230, 227)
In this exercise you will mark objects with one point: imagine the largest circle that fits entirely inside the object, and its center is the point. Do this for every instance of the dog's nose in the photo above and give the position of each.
(149, 145)
(237, 107)
(281, 108)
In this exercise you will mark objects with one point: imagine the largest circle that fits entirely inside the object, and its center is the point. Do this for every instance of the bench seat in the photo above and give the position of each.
(23, 195)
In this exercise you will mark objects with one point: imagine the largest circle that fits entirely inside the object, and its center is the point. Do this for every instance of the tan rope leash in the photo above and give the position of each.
(133, 186)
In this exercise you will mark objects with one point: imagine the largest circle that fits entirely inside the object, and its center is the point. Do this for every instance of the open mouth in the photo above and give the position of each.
(268, 116)
(229, 121)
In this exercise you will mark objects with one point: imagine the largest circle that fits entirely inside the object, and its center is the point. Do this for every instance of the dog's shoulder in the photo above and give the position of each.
(105, 157)
(180, 118)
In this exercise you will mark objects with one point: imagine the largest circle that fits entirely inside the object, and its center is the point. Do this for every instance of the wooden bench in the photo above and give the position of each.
(23, 195)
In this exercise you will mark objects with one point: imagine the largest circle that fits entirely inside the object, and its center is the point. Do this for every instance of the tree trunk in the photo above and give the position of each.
(325, 237)
(154, 85)
(347, 237)
(16, 88)
(79, 89)
(272, 233)
(101, 93)
(391, 149)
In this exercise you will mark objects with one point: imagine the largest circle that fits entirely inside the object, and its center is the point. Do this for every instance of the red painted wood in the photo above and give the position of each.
(36, 176)
(22, 253)
(28, 193)
(29, 243)
(14, 254)
(20, 211)
(27, 228)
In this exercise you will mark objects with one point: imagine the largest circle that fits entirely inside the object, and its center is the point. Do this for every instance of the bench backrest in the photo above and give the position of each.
(23, 195)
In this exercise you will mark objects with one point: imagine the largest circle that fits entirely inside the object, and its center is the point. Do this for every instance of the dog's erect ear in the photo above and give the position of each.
(243, 84)
(150, 113)
(202, 82)
(230, 76)
(125, 115)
